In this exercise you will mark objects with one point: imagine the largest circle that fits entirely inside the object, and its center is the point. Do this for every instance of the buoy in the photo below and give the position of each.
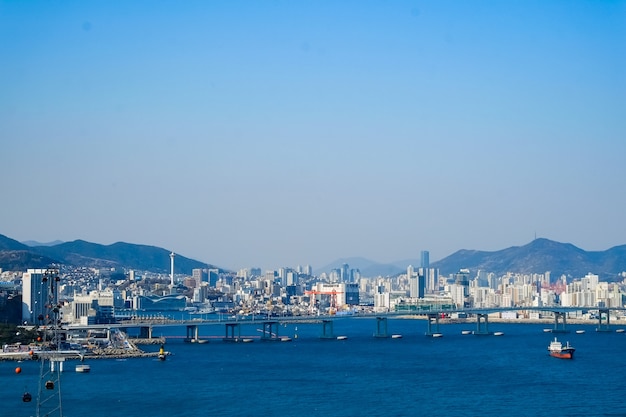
(18, 370)
(27, 397)
(49, 384)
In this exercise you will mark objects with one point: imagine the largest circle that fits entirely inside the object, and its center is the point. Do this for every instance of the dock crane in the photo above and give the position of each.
(333, 298)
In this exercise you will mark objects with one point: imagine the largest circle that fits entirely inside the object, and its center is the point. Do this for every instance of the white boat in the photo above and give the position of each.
(619, 331)
(466, 332)
(437, 334)
(498, 333)
(396, 336)
(83, 368)
(342, 337)
(547, 330)
(580, 331)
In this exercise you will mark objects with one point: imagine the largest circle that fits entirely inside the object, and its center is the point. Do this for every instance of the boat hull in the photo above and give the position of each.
(564, 354)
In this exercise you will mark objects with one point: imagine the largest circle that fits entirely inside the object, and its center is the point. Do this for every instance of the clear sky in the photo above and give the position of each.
(279, 133)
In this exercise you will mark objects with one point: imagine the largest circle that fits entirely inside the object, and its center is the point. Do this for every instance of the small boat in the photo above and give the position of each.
(396, 336)
(466, 332)
(83, 368)
(557, 350)
(437, 334)
(580, 331)
(619, 331)
(285, 339)
(547, 330)
(498, 333)
(342, 337)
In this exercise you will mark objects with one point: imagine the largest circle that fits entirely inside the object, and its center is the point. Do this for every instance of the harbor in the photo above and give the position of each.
(312, 372)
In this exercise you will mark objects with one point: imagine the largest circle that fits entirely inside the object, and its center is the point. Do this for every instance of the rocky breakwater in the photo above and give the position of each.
(119, 353)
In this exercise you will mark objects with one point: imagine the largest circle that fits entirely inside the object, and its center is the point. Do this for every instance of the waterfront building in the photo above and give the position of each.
(382, 299)
(35, 294)
(352, 294)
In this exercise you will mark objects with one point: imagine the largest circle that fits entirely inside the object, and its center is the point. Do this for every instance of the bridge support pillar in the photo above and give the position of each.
(562, 316)
(192, 333)
(233, 332)
(145, 332)
(432, 325)
(381, 327)
(482, 324)
(603, 326)
(270, 331)
(327, 330)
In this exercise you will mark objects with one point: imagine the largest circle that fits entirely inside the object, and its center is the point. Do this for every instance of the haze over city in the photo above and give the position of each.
(282, 133)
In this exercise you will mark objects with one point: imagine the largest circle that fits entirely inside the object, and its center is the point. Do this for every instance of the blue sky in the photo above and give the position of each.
(278, 133)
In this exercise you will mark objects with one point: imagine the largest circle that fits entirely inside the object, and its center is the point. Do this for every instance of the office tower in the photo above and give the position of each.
(425, 259)
(344, 277)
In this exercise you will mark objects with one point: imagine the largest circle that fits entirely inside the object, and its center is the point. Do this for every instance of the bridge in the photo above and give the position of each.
(271, 325)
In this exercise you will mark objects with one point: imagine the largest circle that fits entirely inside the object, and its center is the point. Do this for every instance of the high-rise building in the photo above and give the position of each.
(36, 293)
(200, 275)
(213, 276)
(344, 273)
(425, 259)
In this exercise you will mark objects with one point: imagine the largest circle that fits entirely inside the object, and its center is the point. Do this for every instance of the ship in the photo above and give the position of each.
(557, 350)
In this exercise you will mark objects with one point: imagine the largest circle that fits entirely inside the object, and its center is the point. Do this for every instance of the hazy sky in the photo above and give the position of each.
(278, 133)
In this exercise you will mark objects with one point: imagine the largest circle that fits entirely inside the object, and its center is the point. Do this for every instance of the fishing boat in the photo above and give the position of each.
(557, 350)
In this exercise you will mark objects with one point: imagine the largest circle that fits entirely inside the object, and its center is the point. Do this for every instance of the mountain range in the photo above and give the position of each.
(16, 256)
(538, 256)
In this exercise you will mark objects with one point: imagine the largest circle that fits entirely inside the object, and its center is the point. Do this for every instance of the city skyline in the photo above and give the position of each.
(269, 134)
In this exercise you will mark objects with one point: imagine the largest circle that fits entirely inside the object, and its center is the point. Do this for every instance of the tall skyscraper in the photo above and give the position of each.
(425, 259)
(344, 273)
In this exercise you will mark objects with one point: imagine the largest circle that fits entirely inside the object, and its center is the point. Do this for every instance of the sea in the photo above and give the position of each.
(454, 375)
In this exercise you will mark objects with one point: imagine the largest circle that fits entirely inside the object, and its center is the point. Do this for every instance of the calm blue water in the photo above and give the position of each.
(456, 375)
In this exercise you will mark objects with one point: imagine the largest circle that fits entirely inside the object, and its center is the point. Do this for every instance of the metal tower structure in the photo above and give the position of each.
(51, 363)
